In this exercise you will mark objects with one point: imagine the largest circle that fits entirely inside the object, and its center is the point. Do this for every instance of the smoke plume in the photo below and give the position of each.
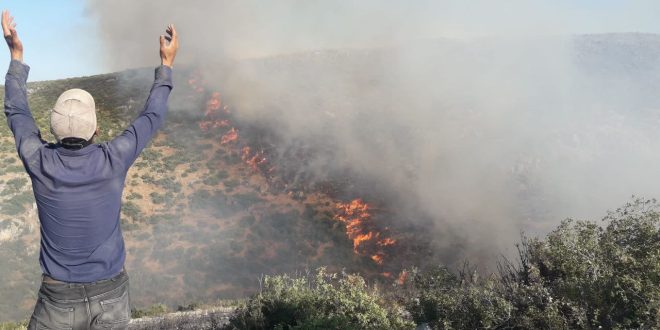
(486, 118)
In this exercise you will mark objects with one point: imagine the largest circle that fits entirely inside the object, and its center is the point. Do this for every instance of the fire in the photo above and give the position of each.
(230, 136)
(209, 124)
(254, 160)
(216, 116)
(403, 276)
(386, 241)
(354, 214)
(215, 109)
(214, 103)
(361, 238)
(357, 216)
(377, 258)
(367, 239)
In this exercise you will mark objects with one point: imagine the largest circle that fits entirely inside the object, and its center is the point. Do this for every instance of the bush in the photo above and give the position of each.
(582, 276)
(166, 198)
(606, 277)
(153, 310)
(14, 185)
(132, 211)
(444, 300)
(215, 177)
(16, 205)
(326, 301)
(14, 325)
(133, 196)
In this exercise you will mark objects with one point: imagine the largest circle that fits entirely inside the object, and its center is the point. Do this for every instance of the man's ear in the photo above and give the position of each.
(97, 132)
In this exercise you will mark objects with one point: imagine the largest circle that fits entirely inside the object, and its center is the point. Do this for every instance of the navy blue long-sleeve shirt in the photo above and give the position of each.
(78, 192)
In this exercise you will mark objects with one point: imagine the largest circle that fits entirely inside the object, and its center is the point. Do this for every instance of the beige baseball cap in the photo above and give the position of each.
(74, 115)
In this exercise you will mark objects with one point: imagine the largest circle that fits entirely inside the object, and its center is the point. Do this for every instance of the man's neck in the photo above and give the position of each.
(75, 143)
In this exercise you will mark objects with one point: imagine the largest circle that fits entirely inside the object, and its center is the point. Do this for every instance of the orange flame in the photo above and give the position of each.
(209, 124)
(213, 104)
(356, 215)
(214, 112)
(230, 136)
(386, 241)
(403, 276)
(377, 258)
(359, 239)
(254, 160)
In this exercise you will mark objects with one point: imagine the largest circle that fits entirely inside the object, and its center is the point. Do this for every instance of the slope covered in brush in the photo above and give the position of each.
(407, 156)
(200, 222)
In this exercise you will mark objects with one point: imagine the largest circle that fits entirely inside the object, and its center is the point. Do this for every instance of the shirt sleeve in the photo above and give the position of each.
(20, 120)
(130, 143)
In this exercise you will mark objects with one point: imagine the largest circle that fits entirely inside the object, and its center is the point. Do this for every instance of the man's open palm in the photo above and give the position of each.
(11, 36)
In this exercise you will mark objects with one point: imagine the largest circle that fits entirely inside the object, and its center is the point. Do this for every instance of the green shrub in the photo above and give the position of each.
(14, 325)
(166, 198)
(247, 199)
(214, 178)
(154, 310)
(582, 276)
(326, 301)
(14, 185)
(445, 300)
(133, 196)
(132, 211)
(169, 184)
(16, 204)
(230, 184)
(610, 277)
(14, 168)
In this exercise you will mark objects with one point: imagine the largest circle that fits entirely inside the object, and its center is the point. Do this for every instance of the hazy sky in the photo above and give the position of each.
(61, 40)
(58, 37)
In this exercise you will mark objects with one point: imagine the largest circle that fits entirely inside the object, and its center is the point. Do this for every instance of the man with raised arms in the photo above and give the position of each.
(78, 186)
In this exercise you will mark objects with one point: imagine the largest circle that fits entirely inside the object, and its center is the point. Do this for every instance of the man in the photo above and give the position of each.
(78, 186)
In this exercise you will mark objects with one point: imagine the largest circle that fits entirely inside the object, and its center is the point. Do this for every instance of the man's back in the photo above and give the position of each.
(78, 194)
(78, 191)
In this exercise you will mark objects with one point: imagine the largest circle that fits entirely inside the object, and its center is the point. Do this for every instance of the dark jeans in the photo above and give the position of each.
(99, 305)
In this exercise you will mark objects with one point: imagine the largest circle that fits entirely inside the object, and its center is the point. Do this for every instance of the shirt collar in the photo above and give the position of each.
(75, 152)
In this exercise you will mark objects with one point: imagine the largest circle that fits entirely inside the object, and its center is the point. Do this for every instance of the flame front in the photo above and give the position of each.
(357, 216)
(403, 276)
(231, 136)
(253, 159)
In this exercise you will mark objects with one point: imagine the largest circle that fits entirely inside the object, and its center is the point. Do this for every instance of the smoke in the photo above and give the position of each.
(487, 118)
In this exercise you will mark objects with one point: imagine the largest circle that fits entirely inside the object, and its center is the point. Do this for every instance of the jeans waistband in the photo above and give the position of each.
(75, 292)
(49, 280)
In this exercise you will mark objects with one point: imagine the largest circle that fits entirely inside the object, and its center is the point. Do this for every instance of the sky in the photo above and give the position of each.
(61, 38)
(58, 37)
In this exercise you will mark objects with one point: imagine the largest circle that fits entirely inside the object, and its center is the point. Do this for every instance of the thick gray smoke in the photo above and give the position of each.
(489, 119)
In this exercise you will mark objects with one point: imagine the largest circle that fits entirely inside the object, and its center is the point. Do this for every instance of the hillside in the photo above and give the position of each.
(200, 223)
(225, 194)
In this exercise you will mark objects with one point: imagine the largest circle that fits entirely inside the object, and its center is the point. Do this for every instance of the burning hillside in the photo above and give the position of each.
(209, 205)
(369, 238)
(249, 177)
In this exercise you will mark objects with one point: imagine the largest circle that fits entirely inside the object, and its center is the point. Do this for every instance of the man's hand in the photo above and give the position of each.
(11, 36)
(168, 46)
